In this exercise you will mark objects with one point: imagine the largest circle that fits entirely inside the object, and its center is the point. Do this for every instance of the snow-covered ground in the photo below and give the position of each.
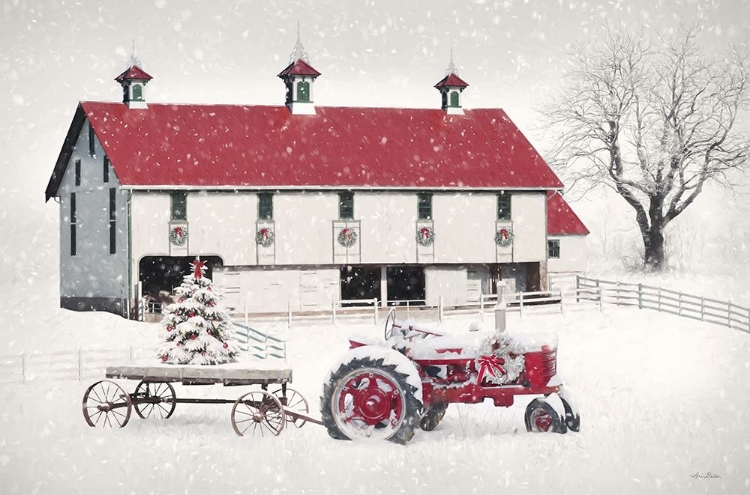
(664, 402)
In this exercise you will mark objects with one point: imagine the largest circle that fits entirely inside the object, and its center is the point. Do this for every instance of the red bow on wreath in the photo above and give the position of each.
(425, 232)
(490, 365)
(178, 232)
(264, 233)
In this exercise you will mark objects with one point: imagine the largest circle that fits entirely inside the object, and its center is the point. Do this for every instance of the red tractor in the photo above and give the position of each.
(387, 390)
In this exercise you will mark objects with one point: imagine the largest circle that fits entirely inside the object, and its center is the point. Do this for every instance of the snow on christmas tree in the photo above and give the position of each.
(196, 328)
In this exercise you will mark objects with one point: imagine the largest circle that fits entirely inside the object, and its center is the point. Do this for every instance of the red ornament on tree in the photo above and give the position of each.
(164, 358)
(179, 344)
(191, 314)
(169, 328)
(192, 336)
(226, 345)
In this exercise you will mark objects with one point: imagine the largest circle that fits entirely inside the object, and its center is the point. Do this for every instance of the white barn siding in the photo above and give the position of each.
(223, 224)
(573, 255)
(304, 227)
(388, 226)
(150, 225)
(448, 282)
(529, 215)
(464, 227)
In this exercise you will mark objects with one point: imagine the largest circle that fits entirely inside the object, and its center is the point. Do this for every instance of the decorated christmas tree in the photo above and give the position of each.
(196, 328)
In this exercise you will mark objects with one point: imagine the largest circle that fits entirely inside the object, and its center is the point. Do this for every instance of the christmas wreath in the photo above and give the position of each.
(178, 235)
(501, 360)
(265, 237)
(347, 237)
(504, 237)
(425, 236)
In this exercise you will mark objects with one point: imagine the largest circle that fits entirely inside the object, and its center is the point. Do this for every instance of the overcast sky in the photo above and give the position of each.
(513, 53)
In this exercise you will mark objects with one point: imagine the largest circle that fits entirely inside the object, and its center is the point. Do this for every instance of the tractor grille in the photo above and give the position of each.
(549, 364)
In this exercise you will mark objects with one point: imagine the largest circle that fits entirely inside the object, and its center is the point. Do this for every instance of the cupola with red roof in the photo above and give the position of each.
(133, 82)
(451, 87)
(299, 77)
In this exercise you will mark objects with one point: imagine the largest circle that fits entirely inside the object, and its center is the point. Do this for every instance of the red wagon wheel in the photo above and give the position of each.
(154, 400)
(258, 413)
(294, 401)
(106, 404)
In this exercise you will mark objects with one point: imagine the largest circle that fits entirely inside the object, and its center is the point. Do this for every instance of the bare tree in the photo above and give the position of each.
(652, 119)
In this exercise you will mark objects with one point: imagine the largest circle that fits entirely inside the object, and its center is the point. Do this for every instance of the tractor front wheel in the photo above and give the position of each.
(433, 416)
(367, 397)
(541, 416)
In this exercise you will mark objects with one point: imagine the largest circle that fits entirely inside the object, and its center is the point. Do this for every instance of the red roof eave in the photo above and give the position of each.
(561, 219)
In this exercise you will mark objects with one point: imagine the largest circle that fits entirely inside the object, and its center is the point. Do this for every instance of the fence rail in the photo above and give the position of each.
(259, 344)
(678, 303)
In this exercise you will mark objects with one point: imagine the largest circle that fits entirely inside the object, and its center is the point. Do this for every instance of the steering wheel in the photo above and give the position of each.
(389, 322)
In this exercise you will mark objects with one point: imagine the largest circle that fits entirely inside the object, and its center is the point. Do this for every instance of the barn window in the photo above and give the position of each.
(78, 172)
(424, 206)
(265, 206)
(179, 206)
(137, 92)
(346, 206)
(112, 221)
(503, 206)
(553, 248)
(72, 224)
(105, 170)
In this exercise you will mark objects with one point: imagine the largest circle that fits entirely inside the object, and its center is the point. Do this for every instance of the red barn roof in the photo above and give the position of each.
(452, 80)
(236, 146)
(561, 219)
(299, 68)
(133, 72)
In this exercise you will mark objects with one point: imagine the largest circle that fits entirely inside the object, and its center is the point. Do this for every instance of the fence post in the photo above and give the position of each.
(679, 304)
(481, 306)
(130, 353)
(440, 309)
(562, 310)
(640, 296)
(289, 315)
(80, 365)
(520, 305)
(578, 287)
(408, 314)
(246, 316)
(601, 298)
(24, 366)
(375, 309)
(658, 298)
(333, 312)
(702, 309)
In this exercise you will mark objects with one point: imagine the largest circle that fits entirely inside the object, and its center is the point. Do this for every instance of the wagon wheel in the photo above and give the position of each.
(294, 401)
(103, 405)
(154, 400)
(256, 413)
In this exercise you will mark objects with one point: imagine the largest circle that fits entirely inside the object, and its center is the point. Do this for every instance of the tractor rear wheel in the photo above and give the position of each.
(372, 397)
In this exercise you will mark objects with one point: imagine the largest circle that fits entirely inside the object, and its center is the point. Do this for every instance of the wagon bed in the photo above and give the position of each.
(226, 374)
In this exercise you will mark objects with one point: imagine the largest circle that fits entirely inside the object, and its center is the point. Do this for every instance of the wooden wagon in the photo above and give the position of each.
(259, 412)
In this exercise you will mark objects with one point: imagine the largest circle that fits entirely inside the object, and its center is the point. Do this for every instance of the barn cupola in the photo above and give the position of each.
(133, 82)
(451, 87)
(298, 78)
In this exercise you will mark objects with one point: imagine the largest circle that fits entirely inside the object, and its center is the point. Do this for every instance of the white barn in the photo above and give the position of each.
(303, 205)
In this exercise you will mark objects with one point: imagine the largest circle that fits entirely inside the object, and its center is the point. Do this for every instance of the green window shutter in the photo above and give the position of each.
(179, 206)
(303, 91)
(112, 221)
(346, 206)
(424, 206)
(503, 206)
(265, 206)
(454, 99)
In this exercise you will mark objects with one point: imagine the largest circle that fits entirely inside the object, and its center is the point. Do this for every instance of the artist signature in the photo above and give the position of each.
(704, 476)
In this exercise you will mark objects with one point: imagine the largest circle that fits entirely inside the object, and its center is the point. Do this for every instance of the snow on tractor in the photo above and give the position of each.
(386, 390)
